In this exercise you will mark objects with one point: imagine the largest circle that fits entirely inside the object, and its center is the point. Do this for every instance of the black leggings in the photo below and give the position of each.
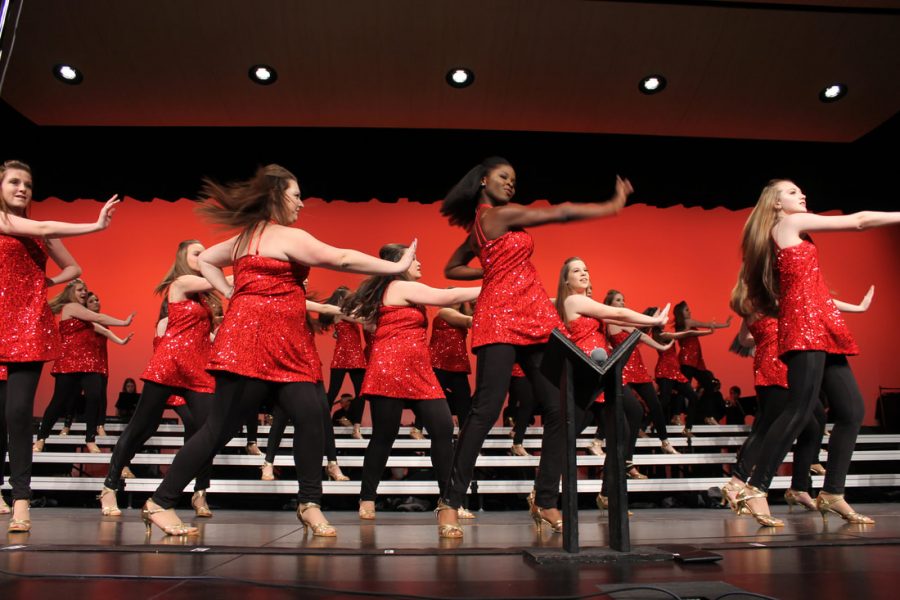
(701, 409)
(459, 393)
(810, 372)
(18, 406)
(68, 386)
(522, 398)
(235, 397)
(386, 412)
(656, 410)
(145, 421)
(634, 414)
(358, 404)
(494, 365)
(686, 395)
(280, 420)
(2, 429)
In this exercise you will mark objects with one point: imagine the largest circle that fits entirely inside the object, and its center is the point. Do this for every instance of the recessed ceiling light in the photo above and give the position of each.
(67, 74)
(833, 92)
(652, 84)
(460, 77)
(263, 74)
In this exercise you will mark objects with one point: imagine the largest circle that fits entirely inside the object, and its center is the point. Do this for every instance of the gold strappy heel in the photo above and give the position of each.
(323, 529)
(109, 511)
(448, 530)
(178, 528)
(825, 504)
(750, 493)
(201, 508)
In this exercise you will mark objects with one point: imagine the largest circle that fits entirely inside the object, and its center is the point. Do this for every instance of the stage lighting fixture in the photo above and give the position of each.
(652, 84)
(460, 77)
(263, 74)
(67, 74)
(833, 92)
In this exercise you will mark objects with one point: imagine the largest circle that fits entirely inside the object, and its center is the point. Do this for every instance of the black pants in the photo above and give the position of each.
(358, 404)
(235, 397)
(686, 401)
(494, 365)
(18, 406)
(634, 414)
(280, 421)
(459, 394)
(386, 412)
(654, 407)
(810, 372)
(68, 386)
(145, 421)
(2, 429)
(521, 397)
(697, 411)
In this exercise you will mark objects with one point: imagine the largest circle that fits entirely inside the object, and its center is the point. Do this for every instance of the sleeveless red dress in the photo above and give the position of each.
(348, 351)
(448, 347)
(312, 353)
(28, 331)
(181, 354)
(767, 366)
(262, 334)
(513, 307)
(808, 318)
(668, 366)
(400, 365)
(691, 354)
(634, 370)
(82, 349)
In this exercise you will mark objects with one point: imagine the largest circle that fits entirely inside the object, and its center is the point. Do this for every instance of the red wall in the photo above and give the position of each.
(652, 255)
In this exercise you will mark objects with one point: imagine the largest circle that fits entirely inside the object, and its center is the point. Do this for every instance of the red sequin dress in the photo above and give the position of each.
(634, 370)
(312, 353)
(448, 347)
(28, 331)
(348, 351)
(668, 366)
(181, 354)
(691, 354)
(82, 349)
(517, 371)
(767, 367)
(262, 334)
(808, 318)
(587, 333)
(4, 374)
(400, 365)
(513, 307)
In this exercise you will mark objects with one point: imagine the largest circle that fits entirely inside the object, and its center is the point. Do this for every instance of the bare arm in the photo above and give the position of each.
(69, 268)
(73, 310)
(14, 225)
(303, 248)
(322, 309)
(402, 293)
(787, 232)
(654, 344)
(692, 324)
(856, 308)
(213, 260)
(111, 336)
(745, 338)
(188, 284)
(455, 318)
(582, 305)
(457, 266)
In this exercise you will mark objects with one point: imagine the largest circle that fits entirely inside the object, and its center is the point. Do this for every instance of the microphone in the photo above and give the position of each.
(599, 355)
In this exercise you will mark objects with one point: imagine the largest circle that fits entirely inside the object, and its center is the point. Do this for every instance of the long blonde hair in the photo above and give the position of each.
(180, 267)
(562, 287)
(757, 289)
(6, 166)
(66, 296)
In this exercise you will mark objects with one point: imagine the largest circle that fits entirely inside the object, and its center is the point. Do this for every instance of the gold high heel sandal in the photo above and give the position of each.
(539, 520)
(750, 493)
(93, 448)
(357, 434)
(416, 433)
(633, 473)
(111, 510)
(253, 449)
(201, 508)
(127, 474)
(603, 504)
(38, 446)
(323, 529)
(825, 504)
(732, 501)
(334, 471)
(20, 525)
(793, 498)
(668, 448)
(178, 528)
(464, 513)
(4, 507)
(448, 530)
(268, 472)
(518, 450)
(817, 469)
(596, 448)
(366, 514)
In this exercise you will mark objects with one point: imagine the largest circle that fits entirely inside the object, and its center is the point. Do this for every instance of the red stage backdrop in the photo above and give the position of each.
(652, 255)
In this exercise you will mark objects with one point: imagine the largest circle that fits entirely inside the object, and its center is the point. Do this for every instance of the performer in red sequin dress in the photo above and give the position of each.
(4, 507)
(512, 321)
(450, 357)
(176, 371)
(813, 339)
(692, 364)
(399, 371)
(348, 359)
(82, 364)
(260, 350)
(670, 378)
(28, 333)
(582, 316)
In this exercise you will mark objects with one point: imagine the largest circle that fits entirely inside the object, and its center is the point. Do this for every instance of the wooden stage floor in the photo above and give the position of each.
(76, 553)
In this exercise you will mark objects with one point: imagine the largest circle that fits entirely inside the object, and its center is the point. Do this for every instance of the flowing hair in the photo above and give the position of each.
(6, 166)
(180, 267)
(244, 204)
(461, 201)
(368, 299)
(562, 288)
(66, 296)
(336, 298)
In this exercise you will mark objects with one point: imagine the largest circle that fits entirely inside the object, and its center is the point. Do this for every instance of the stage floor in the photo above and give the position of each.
(76, 553)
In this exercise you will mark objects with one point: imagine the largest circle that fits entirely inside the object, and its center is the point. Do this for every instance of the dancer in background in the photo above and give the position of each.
(348, 359)
(512, 322)
(259, 349)
(450, 357)
(690, 356)
(29, 336)
(781, 272)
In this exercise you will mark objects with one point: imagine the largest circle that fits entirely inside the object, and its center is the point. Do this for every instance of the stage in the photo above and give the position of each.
(76, 553)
